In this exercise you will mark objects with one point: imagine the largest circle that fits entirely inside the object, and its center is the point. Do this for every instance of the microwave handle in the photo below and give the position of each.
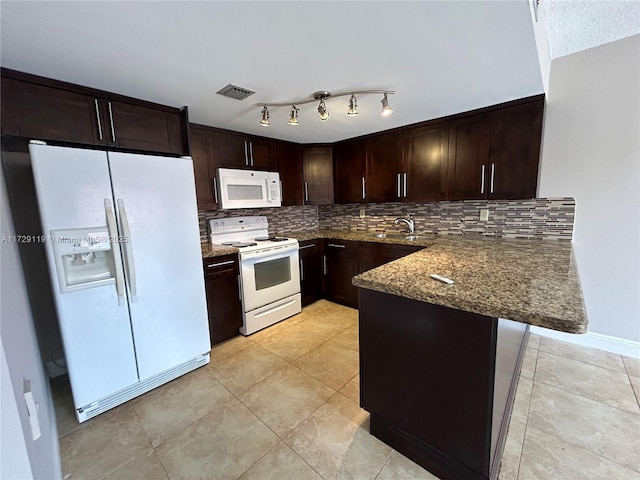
(269, 199)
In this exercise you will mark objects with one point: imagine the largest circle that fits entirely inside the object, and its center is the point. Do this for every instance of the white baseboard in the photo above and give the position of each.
(607, 343)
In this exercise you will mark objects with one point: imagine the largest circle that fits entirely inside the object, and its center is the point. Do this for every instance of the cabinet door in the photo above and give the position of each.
(317, 169)
(141, 128)
(349, 167)
(310, 271)
(288, 159)
(260, 155)
(469, 157)
(340, 266)
(202, 154)
(223, 298)
(425, 163)
(516, 134)
(384, 168)
(372, 255)
(230, 151)
(46, 113)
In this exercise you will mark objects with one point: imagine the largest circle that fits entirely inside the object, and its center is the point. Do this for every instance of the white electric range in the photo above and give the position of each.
(269, 270)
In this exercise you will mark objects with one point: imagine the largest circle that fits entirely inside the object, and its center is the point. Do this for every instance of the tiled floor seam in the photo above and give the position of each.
(383, 464)
(555, 354)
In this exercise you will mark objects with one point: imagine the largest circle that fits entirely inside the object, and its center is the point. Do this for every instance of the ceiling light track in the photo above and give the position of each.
(321, 95)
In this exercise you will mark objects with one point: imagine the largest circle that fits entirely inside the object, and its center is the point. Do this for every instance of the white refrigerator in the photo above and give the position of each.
(123, 249)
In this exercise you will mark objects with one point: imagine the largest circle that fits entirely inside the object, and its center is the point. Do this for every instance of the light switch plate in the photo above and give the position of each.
(484, 214)
(361, 212)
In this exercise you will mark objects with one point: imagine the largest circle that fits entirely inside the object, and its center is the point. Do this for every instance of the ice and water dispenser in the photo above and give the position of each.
(84, 258)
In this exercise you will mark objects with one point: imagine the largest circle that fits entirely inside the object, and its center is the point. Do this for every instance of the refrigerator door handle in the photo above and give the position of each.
(128, 251)
(115, 249)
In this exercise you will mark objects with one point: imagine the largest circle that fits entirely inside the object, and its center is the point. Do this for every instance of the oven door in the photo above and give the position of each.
(269, 276)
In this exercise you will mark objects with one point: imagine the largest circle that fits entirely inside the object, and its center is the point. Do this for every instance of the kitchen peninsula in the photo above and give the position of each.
(439, 364)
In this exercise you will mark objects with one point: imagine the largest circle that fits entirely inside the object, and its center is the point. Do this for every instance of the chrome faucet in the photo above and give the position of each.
(407, 221)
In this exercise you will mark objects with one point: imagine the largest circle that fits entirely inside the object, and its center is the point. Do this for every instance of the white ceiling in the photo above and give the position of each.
(440, 57)
(573, 26)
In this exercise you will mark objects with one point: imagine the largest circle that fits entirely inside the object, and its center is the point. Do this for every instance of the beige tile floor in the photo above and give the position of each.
(283, 404)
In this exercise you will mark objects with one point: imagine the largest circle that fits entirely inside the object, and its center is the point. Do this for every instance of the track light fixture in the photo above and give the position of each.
(293, 118)
(386, 109)
(322, 95)
(353, 106)
(265, 117)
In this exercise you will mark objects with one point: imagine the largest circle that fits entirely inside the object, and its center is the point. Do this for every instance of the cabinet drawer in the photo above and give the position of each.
(215, 265)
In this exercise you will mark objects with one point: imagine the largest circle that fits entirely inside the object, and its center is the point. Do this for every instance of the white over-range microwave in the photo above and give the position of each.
(248, 188)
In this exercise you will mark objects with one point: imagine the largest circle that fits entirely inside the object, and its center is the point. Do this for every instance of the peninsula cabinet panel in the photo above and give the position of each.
(202, 155)
(384, 168)
(44, 113)
(516, 134)
(317, 168)
(424, 178)
(349, 171)
(288, 158)
(469, 140)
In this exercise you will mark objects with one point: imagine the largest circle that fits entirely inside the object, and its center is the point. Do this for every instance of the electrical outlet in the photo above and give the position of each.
(361, 212)
(484, 214)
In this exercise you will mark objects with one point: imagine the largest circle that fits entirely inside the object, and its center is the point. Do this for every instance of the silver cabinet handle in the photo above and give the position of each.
(493, 171)
(246, 154)
(301, 270)
(306, 191)
(219, 264)
(281, 190)
(336, 245)
(398, 185)
(364, 194)
(307, 246)
(113, 130)
(128, 251)
(215, 189)
(482, 180)
(324, 264)
(239, 288)
(251, 152)
(405, 185)
(115, 249)
(98, 118)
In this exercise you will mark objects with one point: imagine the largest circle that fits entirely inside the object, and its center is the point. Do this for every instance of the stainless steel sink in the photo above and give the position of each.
(403, 236)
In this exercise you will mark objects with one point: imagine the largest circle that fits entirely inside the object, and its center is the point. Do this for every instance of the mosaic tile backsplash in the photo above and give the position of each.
(544, 218)
(281, 220)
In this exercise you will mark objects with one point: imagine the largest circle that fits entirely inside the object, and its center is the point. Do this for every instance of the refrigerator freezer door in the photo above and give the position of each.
(72, 186)
(169, 315)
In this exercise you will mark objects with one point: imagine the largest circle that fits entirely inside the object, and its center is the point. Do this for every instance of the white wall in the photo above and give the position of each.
(591, 151)
(23, 362)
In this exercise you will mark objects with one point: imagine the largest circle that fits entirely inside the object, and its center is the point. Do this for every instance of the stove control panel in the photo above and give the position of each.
(237, 224)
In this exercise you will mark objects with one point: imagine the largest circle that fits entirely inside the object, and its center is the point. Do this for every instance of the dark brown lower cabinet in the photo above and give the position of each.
(372, 255)
(223, 297)
(310, 252)
(438, 382)
(340, 265)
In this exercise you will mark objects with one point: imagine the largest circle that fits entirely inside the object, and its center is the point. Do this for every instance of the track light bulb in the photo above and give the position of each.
(353, 106)
(293, 118)
(322, 110)
(265, 117)
(386, 109)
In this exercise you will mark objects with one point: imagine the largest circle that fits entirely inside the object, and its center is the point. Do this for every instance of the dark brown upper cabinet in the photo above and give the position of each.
(424, 175)
(233, 150)
(469, 141)
(384, 168)
(44, 109)
(204, 168)
(288, 158)
(516, 134)
(349, 172)
(317, 169)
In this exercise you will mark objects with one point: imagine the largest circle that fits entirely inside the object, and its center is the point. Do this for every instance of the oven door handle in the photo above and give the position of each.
(277, 252)
(252, 259)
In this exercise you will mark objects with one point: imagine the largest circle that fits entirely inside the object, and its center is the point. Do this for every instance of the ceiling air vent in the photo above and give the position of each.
(237, 93)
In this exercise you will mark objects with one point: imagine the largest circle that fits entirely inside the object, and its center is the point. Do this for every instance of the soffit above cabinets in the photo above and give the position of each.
(439, 57)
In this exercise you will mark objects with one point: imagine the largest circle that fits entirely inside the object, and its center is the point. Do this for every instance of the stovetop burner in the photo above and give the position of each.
(239, 244)
(271, 239)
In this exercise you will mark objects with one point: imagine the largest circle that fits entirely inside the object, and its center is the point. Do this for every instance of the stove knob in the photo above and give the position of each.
(222, 224)
(215, 224)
